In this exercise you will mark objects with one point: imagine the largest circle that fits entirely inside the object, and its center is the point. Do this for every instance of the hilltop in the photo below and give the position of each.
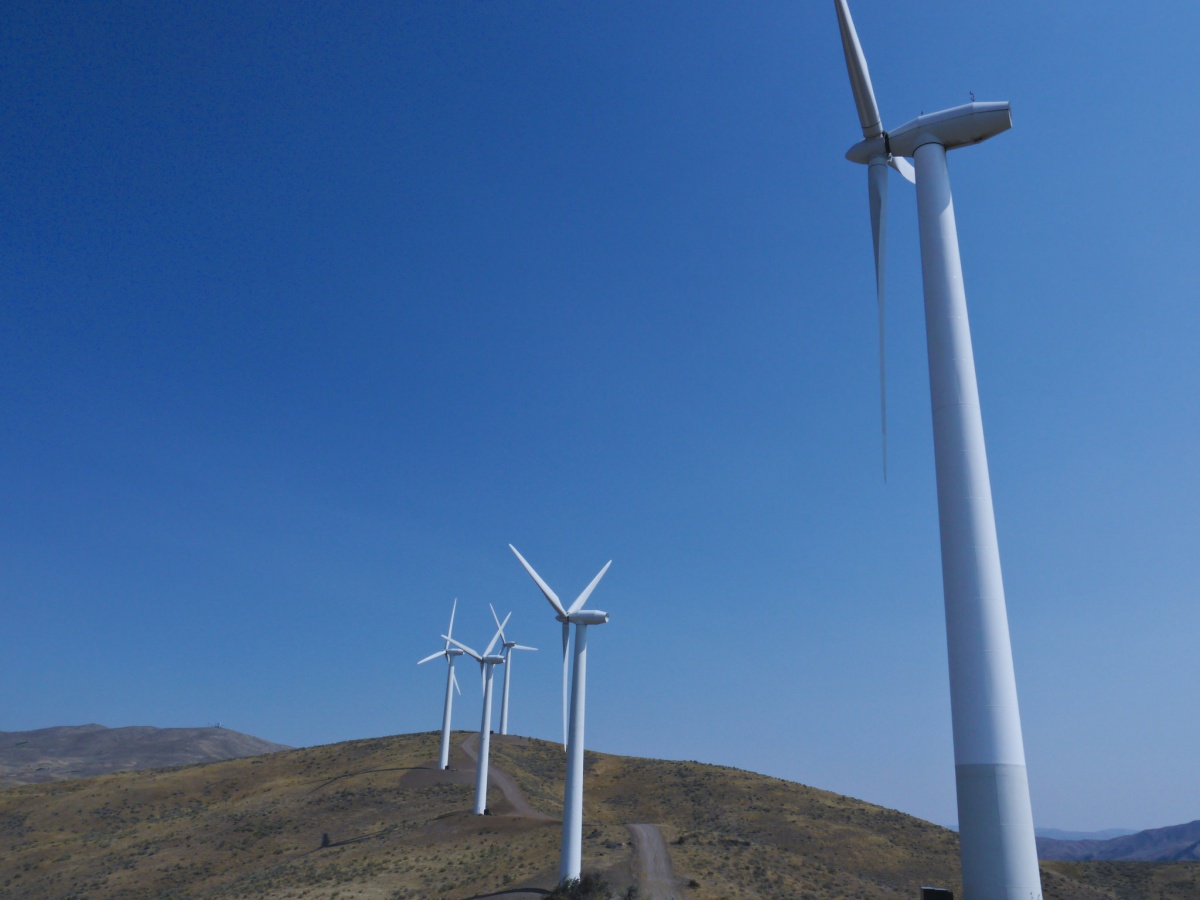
(375, 819)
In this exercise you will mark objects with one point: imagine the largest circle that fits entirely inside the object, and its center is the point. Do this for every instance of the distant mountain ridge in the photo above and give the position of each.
(1105, 834)
(1175, 843)
(80, 751)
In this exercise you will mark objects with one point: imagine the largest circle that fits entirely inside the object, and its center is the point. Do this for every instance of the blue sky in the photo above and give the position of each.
(309, 312)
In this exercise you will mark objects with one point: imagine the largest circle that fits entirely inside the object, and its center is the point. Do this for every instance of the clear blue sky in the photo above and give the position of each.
(309, 310)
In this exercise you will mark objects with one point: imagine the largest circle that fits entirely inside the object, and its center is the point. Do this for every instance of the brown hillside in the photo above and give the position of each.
(394, 827)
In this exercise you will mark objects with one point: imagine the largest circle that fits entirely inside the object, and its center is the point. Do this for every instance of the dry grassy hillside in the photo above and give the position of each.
(393, 827)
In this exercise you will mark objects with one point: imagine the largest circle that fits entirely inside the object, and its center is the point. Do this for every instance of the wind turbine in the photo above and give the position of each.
(451, 682)
(571, 857)
(509, 647)
(999, 856)
(487, 661)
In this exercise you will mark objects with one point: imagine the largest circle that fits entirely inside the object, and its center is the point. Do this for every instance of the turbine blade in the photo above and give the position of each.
(587, 591)
(454, 681)
(521, 647)
(860, 78)
(904, 167)
(497, 619)
(496, 636)
(464, 648)
(877, 183)
(550, 595)
(432, 656)
(566, 638)
(482, 679)
(450, 630)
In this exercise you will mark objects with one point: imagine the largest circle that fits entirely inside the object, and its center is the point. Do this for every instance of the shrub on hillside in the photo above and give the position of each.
(590, 887)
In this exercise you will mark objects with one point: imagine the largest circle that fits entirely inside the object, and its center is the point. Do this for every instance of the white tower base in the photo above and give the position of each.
(504, 696)
(444, 752)
(485, 744)
(572, 827)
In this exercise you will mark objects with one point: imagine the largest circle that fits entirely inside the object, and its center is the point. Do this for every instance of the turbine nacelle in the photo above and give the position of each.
(959, 126)
(585, 617)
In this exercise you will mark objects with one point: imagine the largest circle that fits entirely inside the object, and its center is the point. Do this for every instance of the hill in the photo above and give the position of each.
(1174, 843)
(1059, 834)
(375, 819)
(78, 751)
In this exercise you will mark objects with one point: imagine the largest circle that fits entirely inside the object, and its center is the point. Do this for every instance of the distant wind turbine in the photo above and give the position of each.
(451, 682)
(999, 855)
(487, 661)
(571, 858)
(509, 647)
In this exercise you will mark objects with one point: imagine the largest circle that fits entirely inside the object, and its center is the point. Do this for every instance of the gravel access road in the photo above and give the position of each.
(652, 871)
(499, 778)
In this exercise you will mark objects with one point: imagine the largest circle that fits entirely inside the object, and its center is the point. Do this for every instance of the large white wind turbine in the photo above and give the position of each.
(509, 647)
(487, 661)
(451, 682)
(571, 857)
(999, 856)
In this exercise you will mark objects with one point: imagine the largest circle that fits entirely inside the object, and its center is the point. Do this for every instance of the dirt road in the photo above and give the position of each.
(501, 779)
(652, 869)
(651, 864)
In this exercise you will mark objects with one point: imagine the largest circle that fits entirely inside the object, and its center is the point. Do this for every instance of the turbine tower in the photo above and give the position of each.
(509, 647)
(999, 856)
(451, 682)
(487, 661)
(571, 858)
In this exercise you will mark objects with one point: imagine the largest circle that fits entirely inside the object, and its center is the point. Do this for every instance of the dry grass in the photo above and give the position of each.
(398, 829)
(255, 827)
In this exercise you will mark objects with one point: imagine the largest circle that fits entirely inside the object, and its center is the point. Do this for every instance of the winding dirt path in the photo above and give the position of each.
(652, 869)
(501, 779)
(651, 865)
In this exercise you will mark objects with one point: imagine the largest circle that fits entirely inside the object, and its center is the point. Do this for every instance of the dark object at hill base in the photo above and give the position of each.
(81, 751)
(932, 893)
(588, 886)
